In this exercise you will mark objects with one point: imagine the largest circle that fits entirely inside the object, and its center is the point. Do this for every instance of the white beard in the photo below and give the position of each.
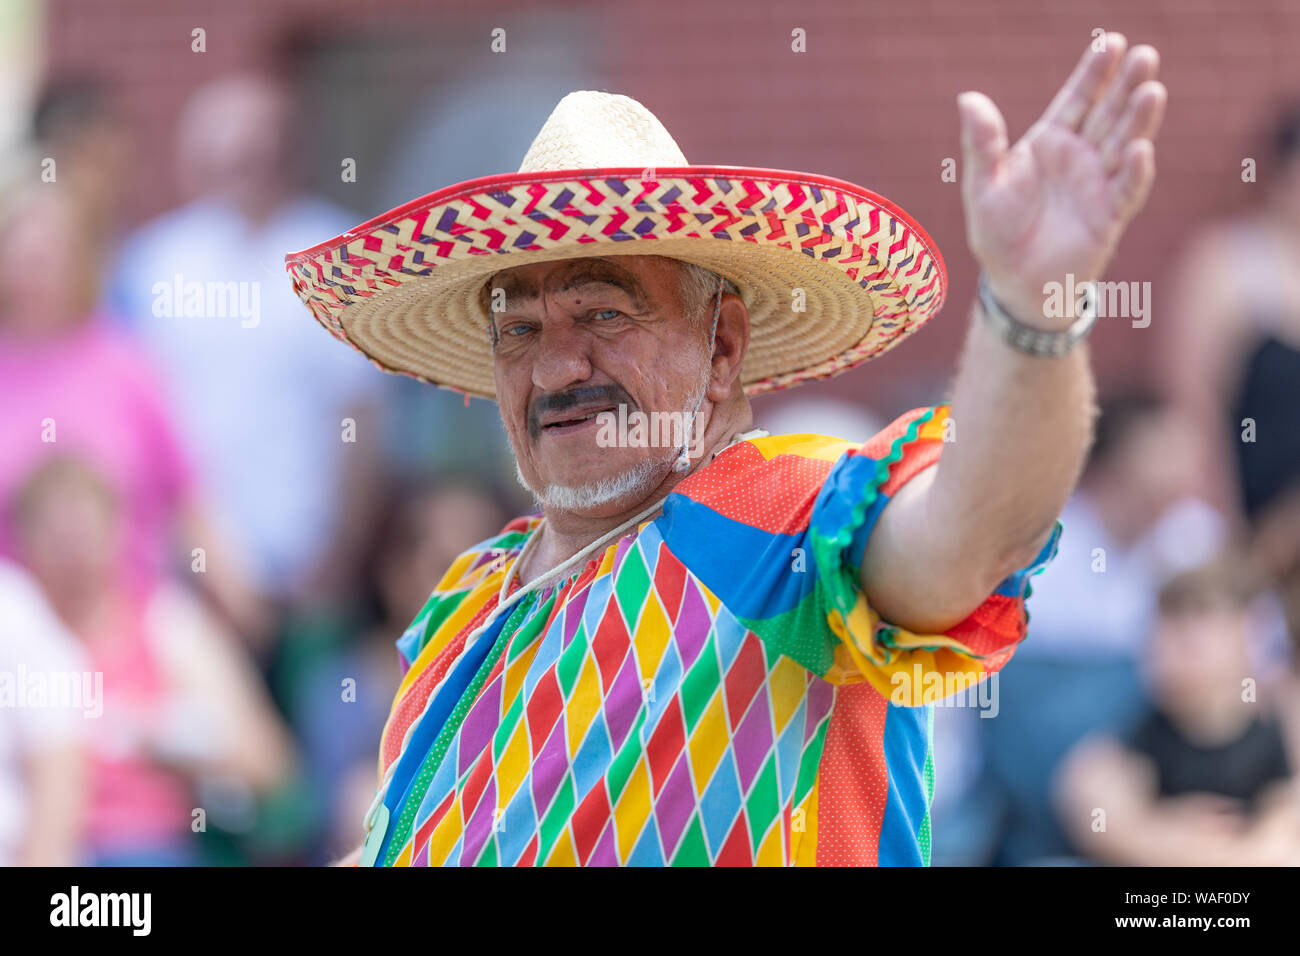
(638, 480)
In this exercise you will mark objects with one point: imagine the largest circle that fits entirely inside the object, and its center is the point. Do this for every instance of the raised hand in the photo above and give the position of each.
(1057, 202)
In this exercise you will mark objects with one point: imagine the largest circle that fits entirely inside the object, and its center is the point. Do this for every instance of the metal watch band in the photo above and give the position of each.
(1026, 338)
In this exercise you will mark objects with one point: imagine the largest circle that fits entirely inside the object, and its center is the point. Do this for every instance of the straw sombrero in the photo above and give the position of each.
(604, 178)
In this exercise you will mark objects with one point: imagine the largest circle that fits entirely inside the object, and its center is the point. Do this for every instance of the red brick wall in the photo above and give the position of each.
(871, 101)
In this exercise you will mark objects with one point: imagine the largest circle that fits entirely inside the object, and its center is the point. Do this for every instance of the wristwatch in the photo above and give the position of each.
(1026, 338)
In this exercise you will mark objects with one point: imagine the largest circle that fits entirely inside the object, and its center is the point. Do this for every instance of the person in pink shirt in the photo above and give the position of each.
(71, 382)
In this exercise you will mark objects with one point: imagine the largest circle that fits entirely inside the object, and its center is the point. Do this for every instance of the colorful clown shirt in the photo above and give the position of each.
(711, 689)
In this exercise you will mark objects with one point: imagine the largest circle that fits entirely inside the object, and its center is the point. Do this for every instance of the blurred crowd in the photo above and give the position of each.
(205, 512)
(215, 521)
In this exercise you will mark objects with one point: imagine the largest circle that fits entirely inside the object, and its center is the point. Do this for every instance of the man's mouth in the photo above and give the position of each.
(574, 418)
(576, 410)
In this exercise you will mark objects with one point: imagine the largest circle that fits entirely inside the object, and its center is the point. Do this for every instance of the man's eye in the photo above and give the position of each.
(516, 329)
(607, 313)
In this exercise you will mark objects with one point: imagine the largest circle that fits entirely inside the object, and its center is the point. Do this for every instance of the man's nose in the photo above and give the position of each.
(563, 356)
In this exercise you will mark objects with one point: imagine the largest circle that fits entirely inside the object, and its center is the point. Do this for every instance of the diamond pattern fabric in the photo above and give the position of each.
(711, 689)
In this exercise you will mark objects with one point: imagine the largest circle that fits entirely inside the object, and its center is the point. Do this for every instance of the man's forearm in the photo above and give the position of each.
(1050, 206)
(1021, 428)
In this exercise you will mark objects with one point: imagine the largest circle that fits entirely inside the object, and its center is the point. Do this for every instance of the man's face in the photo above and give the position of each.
(579, 337)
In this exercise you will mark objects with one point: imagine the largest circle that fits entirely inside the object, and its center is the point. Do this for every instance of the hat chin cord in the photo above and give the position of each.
(683, 462)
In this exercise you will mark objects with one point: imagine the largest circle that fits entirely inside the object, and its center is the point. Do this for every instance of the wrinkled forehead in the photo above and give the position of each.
(524, 284)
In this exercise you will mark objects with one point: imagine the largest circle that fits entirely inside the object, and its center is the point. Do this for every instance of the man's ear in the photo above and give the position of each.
(730, 343)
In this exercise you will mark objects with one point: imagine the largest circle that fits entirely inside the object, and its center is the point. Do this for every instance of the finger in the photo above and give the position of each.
(1141, 120)
(1090, 77)
(983, 138)
(1141, 64)
(1131, 186)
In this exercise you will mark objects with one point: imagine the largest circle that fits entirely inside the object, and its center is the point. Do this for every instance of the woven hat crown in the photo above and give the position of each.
(589, 129)
(404, 288)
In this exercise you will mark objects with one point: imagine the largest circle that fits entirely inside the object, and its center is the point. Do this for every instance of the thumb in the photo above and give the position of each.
(983, 137)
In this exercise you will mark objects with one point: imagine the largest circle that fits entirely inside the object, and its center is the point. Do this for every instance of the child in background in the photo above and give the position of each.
(178, 700)
(1205, 779)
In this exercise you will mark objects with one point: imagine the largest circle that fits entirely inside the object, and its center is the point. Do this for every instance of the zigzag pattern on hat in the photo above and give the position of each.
(854, 234)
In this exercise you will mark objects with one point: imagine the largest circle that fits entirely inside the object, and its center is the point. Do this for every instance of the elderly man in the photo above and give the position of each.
(722, 647)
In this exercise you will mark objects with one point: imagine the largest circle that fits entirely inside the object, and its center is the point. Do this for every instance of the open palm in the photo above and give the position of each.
(1057, 202)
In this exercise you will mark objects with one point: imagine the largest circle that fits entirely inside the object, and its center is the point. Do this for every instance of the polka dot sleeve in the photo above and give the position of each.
(910, 668)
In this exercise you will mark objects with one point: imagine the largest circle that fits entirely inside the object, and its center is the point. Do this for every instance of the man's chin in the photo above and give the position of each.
(605, 495)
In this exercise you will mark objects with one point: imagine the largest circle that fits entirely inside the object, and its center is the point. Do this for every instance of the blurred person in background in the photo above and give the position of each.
(78, 124)
(346, 673)
(1233, 360)
(1133, 520)
(490, 116)
(42, 748)
(282, 422)
(178, 699)
(69, 380)
(1206, 778)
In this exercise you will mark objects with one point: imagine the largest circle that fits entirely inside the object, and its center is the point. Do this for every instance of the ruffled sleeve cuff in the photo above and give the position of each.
(910, 668)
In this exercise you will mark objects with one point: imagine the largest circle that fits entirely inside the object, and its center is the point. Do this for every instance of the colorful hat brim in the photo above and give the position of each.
(832, 274)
